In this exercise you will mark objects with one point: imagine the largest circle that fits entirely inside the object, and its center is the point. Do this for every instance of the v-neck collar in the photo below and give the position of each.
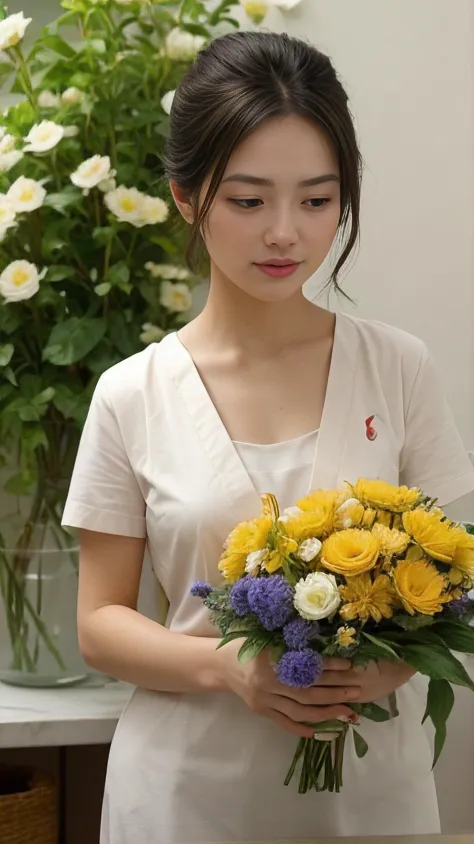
(232, 474)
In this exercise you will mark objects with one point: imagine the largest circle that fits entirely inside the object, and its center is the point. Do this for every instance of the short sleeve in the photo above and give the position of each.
(104, 494)
(433, 456)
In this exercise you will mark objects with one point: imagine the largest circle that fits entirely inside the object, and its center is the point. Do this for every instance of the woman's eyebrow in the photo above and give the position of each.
(258, 180)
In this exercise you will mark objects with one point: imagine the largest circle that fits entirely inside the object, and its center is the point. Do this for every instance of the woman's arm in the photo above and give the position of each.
(117, 640)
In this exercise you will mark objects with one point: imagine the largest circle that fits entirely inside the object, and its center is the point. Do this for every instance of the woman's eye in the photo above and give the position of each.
(320, 202)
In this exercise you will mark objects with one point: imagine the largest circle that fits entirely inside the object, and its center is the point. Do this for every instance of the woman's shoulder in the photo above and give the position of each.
(132, 377)
(385, 343)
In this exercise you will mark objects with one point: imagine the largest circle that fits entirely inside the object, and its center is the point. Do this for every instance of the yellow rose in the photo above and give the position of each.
(364, 598)
(464, 554)
(392, 542)
(383, 496)
(439, 539)
(350, 552)
(420, 587)
(246, 538)
(314, 523)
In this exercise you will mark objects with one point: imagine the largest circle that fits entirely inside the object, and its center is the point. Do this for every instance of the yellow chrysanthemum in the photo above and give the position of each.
(320, 498)
(350, 552)
(345, 637)
(369, 517)
(464, 554)
(392, 542)
(383, 496)
(420, 586)
(439, 539)
(313, 523)
(383, 517)
(364, 598)
(246, 538)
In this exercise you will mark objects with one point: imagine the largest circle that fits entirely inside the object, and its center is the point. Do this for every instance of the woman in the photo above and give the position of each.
(263, 392)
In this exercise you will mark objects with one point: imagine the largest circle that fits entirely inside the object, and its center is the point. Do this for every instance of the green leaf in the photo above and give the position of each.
(63, 200)
(72, 405)
(57, 45)
(372, 711)
(120, 334)
(438, 663)
(360, 744)
(413, 622)
(119, 274)
(10, 376)
(253, 646)
(380, 643)
(456, 635)
(10, 319)
(103, 235)
(72, 339)
(98, 45)
(103, 289)
(229, 637)
(44, 397)
(59, 272)
(438, 707)
(20, 484)
(6, 354)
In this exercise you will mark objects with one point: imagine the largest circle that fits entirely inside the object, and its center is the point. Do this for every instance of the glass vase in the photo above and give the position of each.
(38, 592)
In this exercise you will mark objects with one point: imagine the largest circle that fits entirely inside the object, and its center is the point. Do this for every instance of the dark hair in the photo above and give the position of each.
(238, 82)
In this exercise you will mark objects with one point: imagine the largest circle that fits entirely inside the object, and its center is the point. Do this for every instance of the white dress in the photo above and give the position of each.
(156, 461)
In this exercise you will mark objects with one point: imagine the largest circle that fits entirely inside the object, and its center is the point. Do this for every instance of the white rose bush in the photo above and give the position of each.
(91, 248)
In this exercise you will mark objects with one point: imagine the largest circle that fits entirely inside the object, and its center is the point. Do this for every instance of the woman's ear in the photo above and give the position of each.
(183, 203)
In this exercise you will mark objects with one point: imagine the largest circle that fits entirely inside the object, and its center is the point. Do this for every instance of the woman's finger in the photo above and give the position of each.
(337, 664)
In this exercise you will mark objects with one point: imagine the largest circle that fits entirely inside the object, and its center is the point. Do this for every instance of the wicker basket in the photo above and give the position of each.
(28, 806)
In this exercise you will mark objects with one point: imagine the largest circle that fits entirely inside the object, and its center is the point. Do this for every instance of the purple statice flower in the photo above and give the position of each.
(271, 599)
(201, 589)
(300, 669)
(298, 633)
(238, 596)
(461, 606)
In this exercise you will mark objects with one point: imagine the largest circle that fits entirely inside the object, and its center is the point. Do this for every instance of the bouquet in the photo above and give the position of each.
(367, 572)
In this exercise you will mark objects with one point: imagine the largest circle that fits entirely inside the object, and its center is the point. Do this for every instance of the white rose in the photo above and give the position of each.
(107, 185)
(70, 131)
(44, 136)
(167, 101)
(175, 297)
(7, 212)
(255, 560)
(151, 333)
(9, 159)
(7, 144)
(71, 96)
(91, 172)
(154, 210)
(167, 271)
(126, 204)
(317, 596)
(49, 100)
(182, 45)
(26, 195)
(20, 280)
(12, 30)
(290, 513)
(309, 549)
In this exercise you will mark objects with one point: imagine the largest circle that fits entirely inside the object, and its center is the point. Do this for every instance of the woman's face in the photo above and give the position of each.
(279, 200)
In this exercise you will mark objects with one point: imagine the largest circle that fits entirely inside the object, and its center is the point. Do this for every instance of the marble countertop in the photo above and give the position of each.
(54, 717)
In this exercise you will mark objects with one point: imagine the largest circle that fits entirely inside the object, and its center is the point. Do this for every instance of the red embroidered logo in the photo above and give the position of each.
(370, 431)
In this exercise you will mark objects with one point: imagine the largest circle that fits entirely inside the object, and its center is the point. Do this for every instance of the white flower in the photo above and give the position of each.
(167, 271)
(255, 560)
(182, 45)
(49, 100)
(91, 172)
(7, 144)
(12, 30)
(108, 185)
(44, 136)
(154, 210)
(255, 9)
(126, 204)
(7, 212)
(290, 513)
(317, 596)
(71, 96)
(70, 131)
(20, 280)
(151, 333)
(175, 297)
(9, 159)
(167, 101)
(26, 195)
(309, 549)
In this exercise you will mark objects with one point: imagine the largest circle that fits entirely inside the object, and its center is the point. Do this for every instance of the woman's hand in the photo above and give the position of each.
(376, 680)
(292, 709)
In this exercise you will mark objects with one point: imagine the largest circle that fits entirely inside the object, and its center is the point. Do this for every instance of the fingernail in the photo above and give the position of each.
(346, 719)
(354, 719)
